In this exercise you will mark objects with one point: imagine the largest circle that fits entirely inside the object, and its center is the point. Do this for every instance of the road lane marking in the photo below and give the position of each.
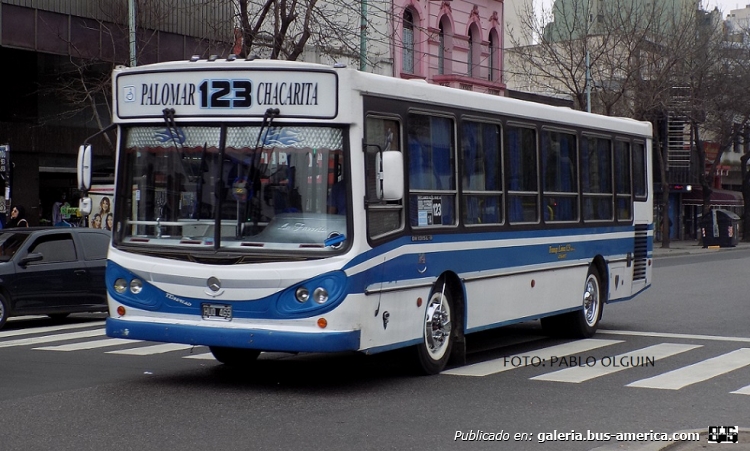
(672, 335)
(203, 356)
(51, 338)
(698, 372)
(155, 349)
(499, 365)
(743, 391)
(42, 330)
(580, 374)
(87, 345)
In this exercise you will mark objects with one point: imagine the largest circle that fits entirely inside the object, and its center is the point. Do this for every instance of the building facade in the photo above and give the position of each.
(58, 56)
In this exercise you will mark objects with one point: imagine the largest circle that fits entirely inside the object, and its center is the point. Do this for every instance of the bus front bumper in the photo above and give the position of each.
(260, 339)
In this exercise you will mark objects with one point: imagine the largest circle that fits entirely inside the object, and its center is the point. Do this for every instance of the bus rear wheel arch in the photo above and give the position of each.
(583, 322)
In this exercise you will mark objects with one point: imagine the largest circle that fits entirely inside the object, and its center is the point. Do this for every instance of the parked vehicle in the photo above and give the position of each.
(52, 271)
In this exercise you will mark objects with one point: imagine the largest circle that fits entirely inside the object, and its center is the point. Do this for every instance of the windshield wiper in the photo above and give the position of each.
(254, 171)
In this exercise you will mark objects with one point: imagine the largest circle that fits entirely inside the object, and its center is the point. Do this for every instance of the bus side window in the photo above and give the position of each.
(383, 218)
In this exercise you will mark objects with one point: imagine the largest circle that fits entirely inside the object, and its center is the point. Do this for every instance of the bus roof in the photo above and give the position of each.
(392, 87)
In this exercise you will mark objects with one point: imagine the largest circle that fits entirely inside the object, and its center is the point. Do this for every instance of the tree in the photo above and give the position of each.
(287, 29)
(643, 58)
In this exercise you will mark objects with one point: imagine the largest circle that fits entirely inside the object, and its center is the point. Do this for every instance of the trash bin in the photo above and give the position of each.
(720, 228)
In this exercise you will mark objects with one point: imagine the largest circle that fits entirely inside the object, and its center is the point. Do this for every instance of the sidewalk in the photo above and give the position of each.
(692, 247)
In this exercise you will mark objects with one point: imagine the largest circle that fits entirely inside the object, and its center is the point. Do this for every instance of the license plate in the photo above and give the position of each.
(220, 312)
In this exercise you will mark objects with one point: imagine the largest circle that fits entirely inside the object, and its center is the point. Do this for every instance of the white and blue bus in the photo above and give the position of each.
(294, 207)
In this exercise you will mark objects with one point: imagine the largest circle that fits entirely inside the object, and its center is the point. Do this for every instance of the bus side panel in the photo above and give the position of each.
(397, 320)
(514, 298)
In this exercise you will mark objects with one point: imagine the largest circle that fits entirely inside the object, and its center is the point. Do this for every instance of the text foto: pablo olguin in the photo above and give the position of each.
(624, 361)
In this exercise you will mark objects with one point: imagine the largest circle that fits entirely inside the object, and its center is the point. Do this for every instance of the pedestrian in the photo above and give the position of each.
(18, 217)
(57, 209)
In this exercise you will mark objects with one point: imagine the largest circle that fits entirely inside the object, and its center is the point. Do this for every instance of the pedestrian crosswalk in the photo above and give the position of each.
(574, 362)
(577, 368)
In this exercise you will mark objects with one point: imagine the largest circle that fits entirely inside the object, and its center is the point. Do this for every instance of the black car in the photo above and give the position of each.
(52, 271)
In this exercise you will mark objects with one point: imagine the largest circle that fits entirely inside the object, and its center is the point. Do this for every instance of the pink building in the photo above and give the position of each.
(451, 43)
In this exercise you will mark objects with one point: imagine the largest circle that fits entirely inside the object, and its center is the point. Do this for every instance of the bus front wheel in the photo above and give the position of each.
(435, 349)
(236, 357)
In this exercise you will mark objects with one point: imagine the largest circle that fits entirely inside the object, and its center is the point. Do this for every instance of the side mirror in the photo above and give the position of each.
(30, 258)
(390, 184)
(84, 167)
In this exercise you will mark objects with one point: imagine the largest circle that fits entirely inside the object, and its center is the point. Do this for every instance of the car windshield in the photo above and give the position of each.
(265, 188)
(10, 243)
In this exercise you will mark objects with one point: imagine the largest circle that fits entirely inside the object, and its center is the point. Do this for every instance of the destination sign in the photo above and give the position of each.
(227, 93)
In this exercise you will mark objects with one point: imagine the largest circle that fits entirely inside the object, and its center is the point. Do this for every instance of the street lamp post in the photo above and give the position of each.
(131, 31)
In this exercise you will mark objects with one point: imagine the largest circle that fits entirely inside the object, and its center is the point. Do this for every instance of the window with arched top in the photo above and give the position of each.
(493, 56)
(408, 44)
(474, 55)
(441, 50)
(470, 57)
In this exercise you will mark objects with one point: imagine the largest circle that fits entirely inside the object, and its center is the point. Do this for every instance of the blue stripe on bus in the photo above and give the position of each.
(280, 305)
(403, 267)
(433, 262)
(265, 340)
(452, 238)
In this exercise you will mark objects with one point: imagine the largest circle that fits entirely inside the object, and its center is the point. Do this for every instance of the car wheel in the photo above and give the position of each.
(435, 349)
(4, 311)
(235, 357)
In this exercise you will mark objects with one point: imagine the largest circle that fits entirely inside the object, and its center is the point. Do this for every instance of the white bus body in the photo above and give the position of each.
(460, 211)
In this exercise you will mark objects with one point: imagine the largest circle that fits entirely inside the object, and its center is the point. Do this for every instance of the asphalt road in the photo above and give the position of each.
(65, 387)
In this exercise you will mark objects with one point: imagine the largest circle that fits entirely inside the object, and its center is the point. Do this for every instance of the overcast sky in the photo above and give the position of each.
(724, 5)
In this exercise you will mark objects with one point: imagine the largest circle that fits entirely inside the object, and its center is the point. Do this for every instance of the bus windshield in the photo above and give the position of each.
(278, 187)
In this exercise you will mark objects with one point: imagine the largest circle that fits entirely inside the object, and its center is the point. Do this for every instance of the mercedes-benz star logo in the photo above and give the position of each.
(214, 284)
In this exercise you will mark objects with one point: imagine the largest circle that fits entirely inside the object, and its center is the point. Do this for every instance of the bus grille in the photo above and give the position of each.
(640, 252)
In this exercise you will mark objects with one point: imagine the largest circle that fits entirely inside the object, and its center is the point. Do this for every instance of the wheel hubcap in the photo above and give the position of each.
(437, 328)
(591, 301)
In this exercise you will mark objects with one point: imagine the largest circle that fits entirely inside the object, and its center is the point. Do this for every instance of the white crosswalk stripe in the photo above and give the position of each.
(51, 338)
(601, 367)
(88, 345)
(508, 363)
(698, 372)
(150, 350)
(47, 329)
(742, 391)
(202, 356)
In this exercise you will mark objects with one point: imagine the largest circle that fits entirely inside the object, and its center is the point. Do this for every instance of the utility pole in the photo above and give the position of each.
(588, 65)
(131, 30)
(363, 36)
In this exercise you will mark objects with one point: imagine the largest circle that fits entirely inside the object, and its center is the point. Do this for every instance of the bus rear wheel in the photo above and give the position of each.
(583, 322)
(437, 340)
(236, 357)
(587, 319)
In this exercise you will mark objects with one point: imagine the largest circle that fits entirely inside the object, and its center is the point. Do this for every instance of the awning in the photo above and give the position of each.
(719, 198)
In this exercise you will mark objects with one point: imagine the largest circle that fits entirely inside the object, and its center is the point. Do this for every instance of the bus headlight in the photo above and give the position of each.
(313, 296)
(302, 294)
(320, 295)
(120, 285)
(136, 286)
